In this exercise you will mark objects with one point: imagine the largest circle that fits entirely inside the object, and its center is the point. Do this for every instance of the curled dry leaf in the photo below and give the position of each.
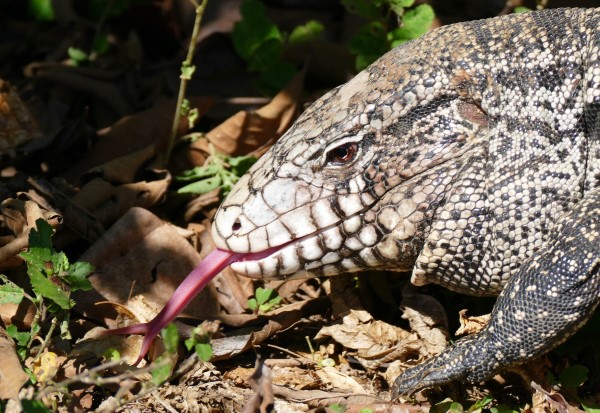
(12, 376)
(470, 325)
(332, 377)
(20, 216)
(17, 126)
(544, 401)
(131, 134)
(107, 202)
(428, 319)
(247, 132)
(375, 342)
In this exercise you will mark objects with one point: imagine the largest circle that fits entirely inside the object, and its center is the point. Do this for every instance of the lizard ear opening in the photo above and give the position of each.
(473, 112)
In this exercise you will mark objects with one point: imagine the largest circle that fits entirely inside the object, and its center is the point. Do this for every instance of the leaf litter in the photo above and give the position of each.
(102, 191)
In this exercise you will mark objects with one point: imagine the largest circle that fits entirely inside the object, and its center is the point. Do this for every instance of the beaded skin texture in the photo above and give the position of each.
(471, 157)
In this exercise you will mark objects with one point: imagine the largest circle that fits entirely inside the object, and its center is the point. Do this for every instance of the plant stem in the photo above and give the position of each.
(184, 79)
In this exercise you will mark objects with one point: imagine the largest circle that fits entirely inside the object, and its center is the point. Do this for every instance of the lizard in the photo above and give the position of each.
(469, 157)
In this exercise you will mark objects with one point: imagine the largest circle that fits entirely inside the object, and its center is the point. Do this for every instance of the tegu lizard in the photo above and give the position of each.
(469, 157)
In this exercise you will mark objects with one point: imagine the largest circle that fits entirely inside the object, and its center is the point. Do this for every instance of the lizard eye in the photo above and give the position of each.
(342, 154)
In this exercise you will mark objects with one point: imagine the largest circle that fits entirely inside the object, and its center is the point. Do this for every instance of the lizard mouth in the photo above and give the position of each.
(292, 259)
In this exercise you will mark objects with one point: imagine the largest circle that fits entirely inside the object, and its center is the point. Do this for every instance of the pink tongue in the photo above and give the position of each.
(187, 290)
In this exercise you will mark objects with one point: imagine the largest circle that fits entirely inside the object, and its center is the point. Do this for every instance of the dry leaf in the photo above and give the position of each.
(46, 366)
(470, 325)
(20, 216)
(427, 318)
(544, 401)
(131, 134)
(140, 255)
(375, 342)
(12, 376)
(333, 377)
(246, 132)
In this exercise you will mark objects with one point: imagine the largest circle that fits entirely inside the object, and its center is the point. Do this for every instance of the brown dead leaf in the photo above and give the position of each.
(283, 317)
(131, 134)
(427, 318)
(17, 126)
(107, 202)
(247, 132)
(141, 259)
(92, 347)
(262, 401)
(12, 376)
(20, 216)
(332, 377)
(21, 315)
(123, 170)
(375, 342)
(544, 401)
(471, 325)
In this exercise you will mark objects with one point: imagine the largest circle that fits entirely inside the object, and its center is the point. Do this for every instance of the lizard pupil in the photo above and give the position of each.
(343, 153)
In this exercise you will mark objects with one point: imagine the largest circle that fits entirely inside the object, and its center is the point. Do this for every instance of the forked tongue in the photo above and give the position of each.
(200, 276)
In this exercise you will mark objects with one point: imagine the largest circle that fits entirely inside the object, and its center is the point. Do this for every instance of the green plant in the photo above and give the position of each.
(220, 171)
(265, 299)
(377, 37)
(52, 280)
(200, 342)
(260, 42)
(163, 365)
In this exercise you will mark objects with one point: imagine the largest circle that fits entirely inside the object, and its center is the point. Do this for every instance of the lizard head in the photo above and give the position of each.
(352, 184)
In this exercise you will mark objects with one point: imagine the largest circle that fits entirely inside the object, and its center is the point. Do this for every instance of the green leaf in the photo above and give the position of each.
(590, 409)
(573, 376)
(369, 44)
(337, 408)
(398, 6)
(521, 9)
(305, 32)
(41, 236)
(204, 351)
(77, 276)
(22, 338)
(43, 287)
(100, 44)
(370, 10)
(252, 304)
(77, 55)
(11, 294)
(265, 55)
(34, 406)
(415, 23)
(253, 29)
(199, 172)
(187, 72)
(41, 10)
(201, 187)
(365, 410)
(162, 372)
(170, 338)
(112, 354)
(275, 77)
(65, 334)
(241, 164)
(263, 294)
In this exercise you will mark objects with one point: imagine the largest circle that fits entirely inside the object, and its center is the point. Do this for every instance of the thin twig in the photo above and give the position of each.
(184, 80)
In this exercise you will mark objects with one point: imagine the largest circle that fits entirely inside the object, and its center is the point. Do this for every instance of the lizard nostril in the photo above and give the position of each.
(236, 225)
